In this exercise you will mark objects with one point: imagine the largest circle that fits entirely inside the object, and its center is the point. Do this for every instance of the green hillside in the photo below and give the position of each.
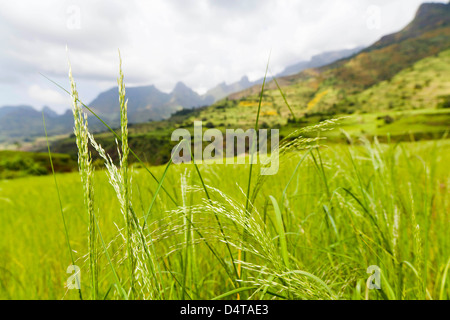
(354, 197)
(418, 93)
(424, 85)
(332, 236)
(427, 35)
(413, 105)
(14, 164)
(397, 89)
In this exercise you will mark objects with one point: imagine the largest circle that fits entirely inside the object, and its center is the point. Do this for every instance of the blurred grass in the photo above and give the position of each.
(14, 164)
(411, 179)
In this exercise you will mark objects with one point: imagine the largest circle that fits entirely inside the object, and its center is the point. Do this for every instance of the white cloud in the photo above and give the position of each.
(47, 97)
(199, 42)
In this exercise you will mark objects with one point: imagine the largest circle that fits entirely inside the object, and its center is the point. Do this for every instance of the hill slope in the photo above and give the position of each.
(402, 71)
(145, 103)
(396, 90)
(414, 104)
(379, 62)
(422, 86)
(319, 60)
(223, 90)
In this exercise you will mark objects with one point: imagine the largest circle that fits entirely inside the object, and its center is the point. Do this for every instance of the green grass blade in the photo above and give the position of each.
(284, 97)
(256, 131)
(293, 174)
(66, 232)
(281, 232)
(232, 292)
(119, 138)
(161, 182)
(116, 278)
(253, 146)
(418, 277)
(330, 217)
(314, 278)
(215, 214)
(444, 280)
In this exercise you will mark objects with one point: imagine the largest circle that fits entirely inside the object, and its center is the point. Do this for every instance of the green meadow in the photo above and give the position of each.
(314, 228)
(412, 105)
(354, 191)
(358, 209)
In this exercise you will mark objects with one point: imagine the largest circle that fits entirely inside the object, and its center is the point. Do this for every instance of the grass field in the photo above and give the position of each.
(412, 105)
(343, 203)
(359, 208)
(313, 232)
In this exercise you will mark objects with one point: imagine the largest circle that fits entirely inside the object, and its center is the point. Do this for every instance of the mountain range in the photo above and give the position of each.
(396, 89)
(337, 84)
(222, 90)
(332, 83)
(145, 103)
(23, 122)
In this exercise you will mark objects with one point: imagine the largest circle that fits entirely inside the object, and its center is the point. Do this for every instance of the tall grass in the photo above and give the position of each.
(335, 244)
(66, 233)
(87, 172)
(311, 231)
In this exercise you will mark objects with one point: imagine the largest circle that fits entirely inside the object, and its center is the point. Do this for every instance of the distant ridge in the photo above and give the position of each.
(427, 35)
(319, 61)
(145, 103)
(17, 122)
(429, 16)
(222, 90)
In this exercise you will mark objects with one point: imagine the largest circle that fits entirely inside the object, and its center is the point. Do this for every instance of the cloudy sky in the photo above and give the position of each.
(201, 42)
